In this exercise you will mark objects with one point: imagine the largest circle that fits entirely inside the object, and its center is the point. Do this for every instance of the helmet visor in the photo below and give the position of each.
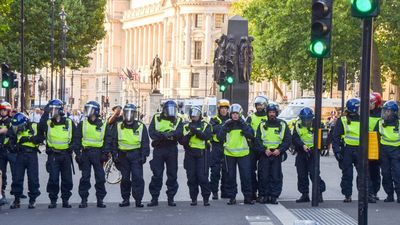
(89, 110)
(54, 111)
(307, 122)
(260, 100)
(235, 109)
(195, 112)
(129, 115)
(388, 114)
(170, 111)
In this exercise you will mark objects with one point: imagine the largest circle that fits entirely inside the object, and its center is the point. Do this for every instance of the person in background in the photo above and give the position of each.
(35, 116)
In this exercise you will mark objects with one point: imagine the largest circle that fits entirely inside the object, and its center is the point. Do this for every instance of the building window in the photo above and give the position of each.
(195, 80)
(197, 50)
(199, 20)
(219, 20)
(85, 84)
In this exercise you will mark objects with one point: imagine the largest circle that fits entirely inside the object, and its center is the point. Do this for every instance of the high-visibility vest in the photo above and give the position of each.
(91, 135)
(272, 137)
(372, 122)
(162, 125)
(27, 133)
(128, 139)
(6, 139)
(194, 141)
(256, 120)
(306, 135)
(236, 144)
(351, 134)
(219, 121)
(60, 135)
(389, 135)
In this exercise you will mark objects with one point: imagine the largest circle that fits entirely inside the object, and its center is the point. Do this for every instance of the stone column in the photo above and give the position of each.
(126, 50)
(207, 43)
(174, 37)
(164, 43)
(145, 44)
(140, 45)
(129, 49)
(188, 43)
(154, 47)
(135, 47)
(159, 36)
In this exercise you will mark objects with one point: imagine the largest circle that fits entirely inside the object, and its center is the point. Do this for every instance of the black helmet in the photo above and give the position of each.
(170, 109)
(129, 113)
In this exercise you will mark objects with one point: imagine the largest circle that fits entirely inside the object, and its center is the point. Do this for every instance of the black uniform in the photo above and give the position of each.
(7, 154)
(374, 165)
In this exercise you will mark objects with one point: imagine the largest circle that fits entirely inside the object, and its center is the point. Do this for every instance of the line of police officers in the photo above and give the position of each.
(257, 147)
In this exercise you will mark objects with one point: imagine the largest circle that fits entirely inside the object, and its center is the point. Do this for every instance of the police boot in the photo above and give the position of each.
(16, 204)
(194, 202)
(171, 202)
(389, 198)
(66, 205)
(273, 201)
(100, 204)
(206, 202)
(53, 204)
(23, 196)
(32, 204)
(371, 199)
(248, 201)
(139, 204)
(232, 201)
(215, 195)
(259, 199)
(3, 201)
(83, 203)
(320, 198)
(152, 203)
(265, 200)
(376, 197)
(303, 198)
(347, 199)
(124, 203)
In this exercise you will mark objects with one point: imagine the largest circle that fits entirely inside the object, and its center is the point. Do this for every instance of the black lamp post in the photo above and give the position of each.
(52, 49)
(65, 28)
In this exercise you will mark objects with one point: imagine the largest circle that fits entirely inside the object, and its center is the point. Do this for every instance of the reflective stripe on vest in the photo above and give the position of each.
(271, 136)
(162, 125)
(194, 141)
(306, 136)
(236, 144)
(58, 137)
(26, 133)
(351, 134)
(372, 122)
(215, 138)
(129, 139)
(256, 120)
(91, 136)
(389, 136)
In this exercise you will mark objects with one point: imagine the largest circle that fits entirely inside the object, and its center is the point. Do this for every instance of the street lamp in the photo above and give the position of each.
(64, 30)
(52, 48)
(42, 88)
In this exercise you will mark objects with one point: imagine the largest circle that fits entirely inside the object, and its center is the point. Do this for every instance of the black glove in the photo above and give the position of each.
(228, 123)
(104, 157)
(193, 128)
(338, 156)
(169, 135)
(48, 151)
(24, 139)
(143, 160)
(78, 159)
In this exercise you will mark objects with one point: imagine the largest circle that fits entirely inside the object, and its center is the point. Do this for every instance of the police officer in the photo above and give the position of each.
(7, 154)
(58, 132)
(218, 168)
(165, 130)
(197, 133)
(273, 139)
(254, 120)
(388, 130)
(375, 110)
(89, 140)
(129, 141)
(26, 142)
(234, 135)
(303, 140)
(346, 144)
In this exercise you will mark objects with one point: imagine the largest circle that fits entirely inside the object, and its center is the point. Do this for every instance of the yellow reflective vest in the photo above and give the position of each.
(92, 136)
(306, 135)
(60, 135)
(162, 125)
(351, 134)
(27, 133)
(236, 144)
(390, 136)
(128, 139)
(256, 120)
(272, 137)
(194, 141)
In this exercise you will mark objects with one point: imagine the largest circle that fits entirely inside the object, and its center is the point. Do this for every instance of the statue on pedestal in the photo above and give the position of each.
(155, 74)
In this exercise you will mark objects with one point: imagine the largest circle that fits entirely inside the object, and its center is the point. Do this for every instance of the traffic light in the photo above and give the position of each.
(365, 8)
(230, 71)
(5, 76)
(222, 84)
(321, 27)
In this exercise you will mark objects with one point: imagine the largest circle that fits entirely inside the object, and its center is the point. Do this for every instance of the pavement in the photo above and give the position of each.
(332, 211)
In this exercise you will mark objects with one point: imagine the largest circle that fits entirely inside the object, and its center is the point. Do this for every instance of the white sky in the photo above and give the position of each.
(139, 3)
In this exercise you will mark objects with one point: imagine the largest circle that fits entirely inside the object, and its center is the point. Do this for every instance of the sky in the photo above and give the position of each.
(139, 3)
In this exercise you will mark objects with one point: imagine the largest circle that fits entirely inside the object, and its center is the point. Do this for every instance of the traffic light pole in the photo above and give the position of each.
(317, 125)
(22, 40)
(364, 116)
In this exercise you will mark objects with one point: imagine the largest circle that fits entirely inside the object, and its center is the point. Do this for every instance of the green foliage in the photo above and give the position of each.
(282, 36)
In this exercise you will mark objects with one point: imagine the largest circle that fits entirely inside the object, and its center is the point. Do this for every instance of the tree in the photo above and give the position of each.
(282, 34)
(85, 20)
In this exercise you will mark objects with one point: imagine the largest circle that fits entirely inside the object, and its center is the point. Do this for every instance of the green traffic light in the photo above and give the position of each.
(5, 84)
(222, 88)
(363, 6)
(318, 48)
(229, 80)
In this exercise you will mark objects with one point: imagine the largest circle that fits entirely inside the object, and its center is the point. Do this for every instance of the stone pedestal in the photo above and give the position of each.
(153, 105)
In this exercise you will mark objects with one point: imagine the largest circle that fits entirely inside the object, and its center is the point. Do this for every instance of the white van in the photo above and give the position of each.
(292, 111)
